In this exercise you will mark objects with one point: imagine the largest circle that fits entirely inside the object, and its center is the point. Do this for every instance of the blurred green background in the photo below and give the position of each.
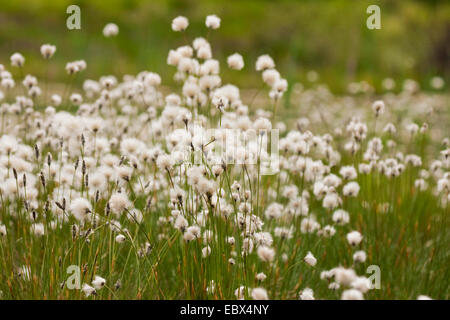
(330, 37)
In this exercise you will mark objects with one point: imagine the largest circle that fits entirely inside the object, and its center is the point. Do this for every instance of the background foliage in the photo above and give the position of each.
(327, 36)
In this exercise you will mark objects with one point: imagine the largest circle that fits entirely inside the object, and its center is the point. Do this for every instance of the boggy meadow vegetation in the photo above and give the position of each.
(201, 194)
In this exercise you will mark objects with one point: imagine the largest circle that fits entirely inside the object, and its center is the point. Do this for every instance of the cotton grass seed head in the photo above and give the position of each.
(120, 238)
(118, 203)
(310, 259)
(48, 50)
(352, 294)
(88, 290)
(423, 297)
(206, 251)
(354, 238)
(264, 62)
(359, 256)
(260, 276)
(180, 23)
(259, 294)
(110, 30)
(17, 60)
(212, 21)
(2, 230)
(266, 254)
(80, 208)
(307, 294)
(235, 61)
(378, 107)
(98, 282)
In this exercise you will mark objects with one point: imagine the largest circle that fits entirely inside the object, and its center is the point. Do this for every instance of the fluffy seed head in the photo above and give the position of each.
(180, 23)
(48, 50)
(212, 21)
(110, 30)
(259, 294)
(235, 61)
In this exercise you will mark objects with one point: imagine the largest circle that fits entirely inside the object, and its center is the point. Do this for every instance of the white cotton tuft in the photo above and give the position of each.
(259, 294)
(212, 21)
(310, 259)
(235, 61)
(110, 30)
(180, 23)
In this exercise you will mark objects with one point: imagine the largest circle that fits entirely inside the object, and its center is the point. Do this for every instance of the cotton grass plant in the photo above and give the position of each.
(133, 190)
